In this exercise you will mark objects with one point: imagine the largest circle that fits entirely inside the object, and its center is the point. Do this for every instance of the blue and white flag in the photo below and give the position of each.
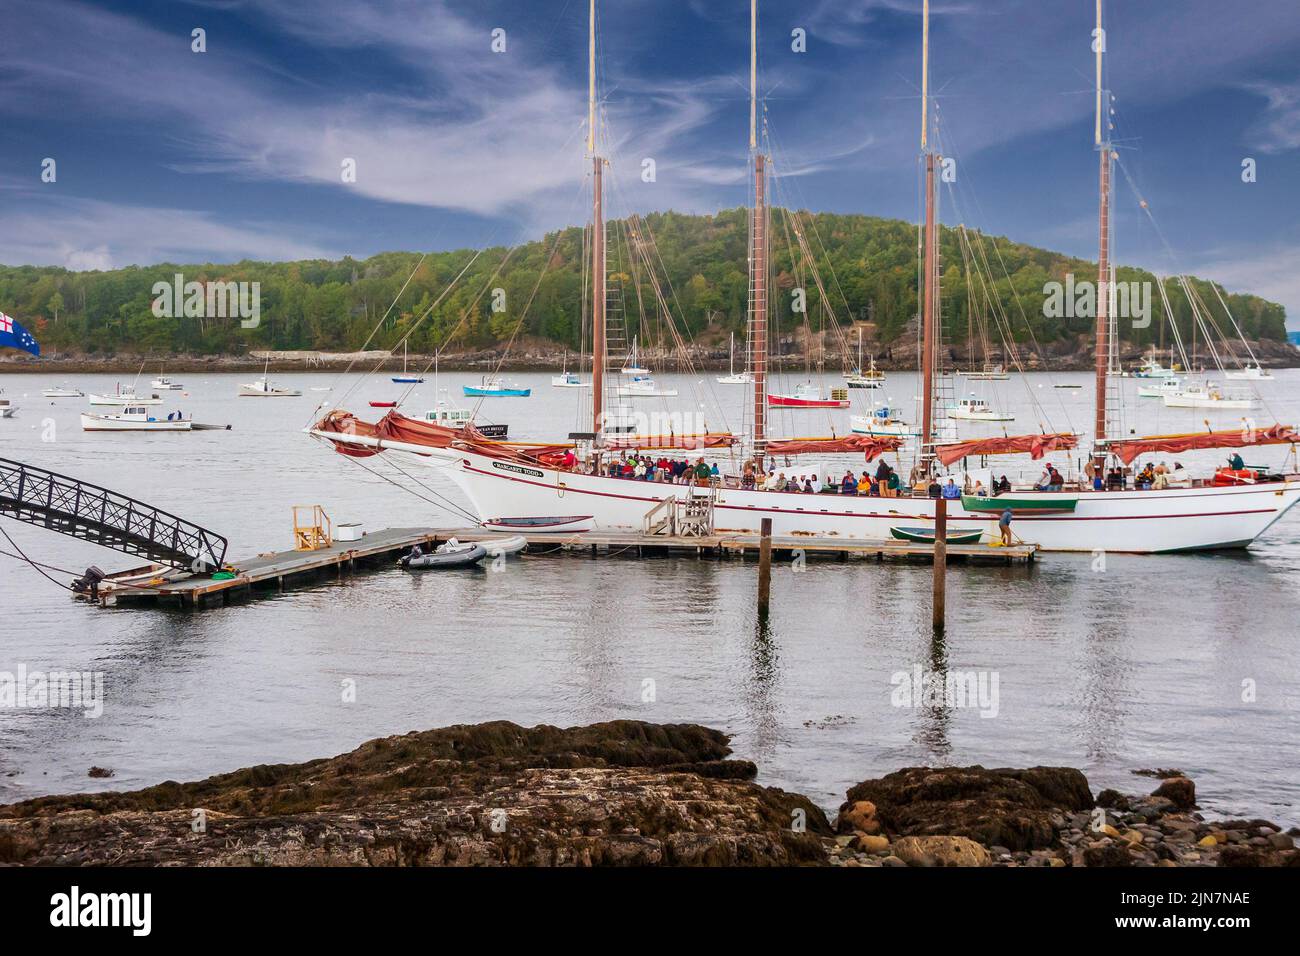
(14, 336)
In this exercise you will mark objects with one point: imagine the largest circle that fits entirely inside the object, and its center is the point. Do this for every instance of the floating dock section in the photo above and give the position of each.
(277, 571)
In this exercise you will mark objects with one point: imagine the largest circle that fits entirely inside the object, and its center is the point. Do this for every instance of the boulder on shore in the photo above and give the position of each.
(1002, 807)
(622, 792)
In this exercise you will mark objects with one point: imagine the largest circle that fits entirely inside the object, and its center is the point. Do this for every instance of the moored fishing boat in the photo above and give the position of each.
(447, 415)
(990, 372)
(492, 386)
(134, 418)
(125, 395)
(977, 410)
(1251, 373)
(568, 380)
(1161, 387)
(1209, 395)
(882, 422)
(809, 395)
(643, 387)
(62, 391)
(264, 388)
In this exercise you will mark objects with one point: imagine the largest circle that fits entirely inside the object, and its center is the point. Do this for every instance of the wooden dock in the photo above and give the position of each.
(276, 571)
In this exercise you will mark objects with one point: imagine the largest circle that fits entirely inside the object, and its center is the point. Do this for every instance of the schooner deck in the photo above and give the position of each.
(274, 572)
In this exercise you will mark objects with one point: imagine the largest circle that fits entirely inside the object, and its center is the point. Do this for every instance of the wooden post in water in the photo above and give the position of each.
(764, 566)
(940, 560)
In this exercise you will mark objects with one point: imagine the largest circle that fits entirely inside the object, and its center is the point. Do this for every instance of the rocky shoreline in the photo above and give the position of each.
(619, 793)
(1071, 355)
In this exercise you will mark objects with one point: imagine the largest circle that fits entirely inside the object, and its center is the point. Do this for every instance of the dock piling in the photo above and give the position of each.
(940, 561)
(764, 567)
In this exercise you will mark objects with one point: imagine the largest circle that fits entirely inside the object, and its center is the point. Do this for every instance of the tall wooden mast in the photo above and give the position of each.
(929, 343)
(598, 345)
(758, 250)
(1102, 138)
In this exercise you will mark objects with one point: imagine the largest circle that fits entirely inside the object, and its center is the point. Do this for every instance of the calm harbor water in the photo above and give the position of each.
(1141, 664)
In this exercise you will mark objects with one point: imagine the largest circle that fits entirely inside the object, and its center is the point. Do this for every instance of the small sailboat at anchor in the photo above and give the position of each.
(406, 378)
(735, 378)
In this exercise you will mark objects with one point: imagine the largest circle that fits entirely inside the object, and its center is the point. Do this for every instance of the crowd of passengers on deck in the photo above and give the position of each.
(882, 482)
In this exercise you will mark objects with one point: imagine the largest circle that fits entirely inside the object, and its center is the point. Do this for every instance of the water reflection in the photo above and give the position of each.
(936, 716)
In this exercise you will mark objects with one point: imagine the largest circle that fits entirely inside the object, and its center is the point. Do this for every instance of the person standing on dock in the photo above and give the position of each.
(1004, 525)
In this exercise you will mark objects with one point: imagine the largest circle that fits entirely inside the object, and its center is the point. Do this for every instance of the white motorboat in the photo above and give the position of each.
(263, 387)
(991, 372)
(1151, 368)
(7, 408)
(977, 410)
(568, 380)
(62, 391)
(1160, 388)
(871, 378)
(643, 387)
(162, 382)
(1251, 373)
(134, 418)
(1210, 395)
(450, 416)
(125, 395)
(882, 423)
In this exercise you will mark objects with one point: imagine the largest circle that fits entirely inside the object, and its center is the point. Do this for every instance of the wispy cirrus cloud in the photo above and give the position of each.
(87, 234)
(1278, 130)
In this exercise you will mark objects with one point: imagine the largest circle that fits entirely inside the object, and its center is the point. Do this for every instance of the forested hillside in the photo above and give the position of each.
(867, 263)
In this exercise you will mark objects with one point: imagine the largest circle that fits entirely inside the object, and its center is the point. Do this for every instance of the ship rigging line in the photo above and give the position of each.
(1185, 282)
(441, 501)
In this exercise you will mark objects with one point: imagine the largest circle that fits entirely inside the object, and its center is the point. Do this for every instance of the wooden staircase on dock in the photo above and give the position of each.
(689, 517)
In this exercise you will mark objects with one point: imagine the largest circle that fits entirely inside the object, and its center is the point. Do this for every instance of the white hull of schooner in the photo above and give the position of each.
(1146, 522)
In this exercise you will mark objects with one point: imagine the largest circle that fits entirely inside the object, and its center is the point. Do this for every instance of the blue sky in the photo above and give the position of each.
(167, 154)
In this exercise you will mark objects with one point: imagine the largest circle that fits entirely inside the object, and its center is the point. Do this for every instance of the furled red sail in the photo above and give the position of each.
(1036, 445)
(395, 427)
(871, 446)
(1130, 448)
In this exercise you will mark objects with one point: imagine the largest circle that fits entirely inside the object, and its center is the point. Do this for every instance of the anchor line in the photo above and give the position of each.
(37, 565)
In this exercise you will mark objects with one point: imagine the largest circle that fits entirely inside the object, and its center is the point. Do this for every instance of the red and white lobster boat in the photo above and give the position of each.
(810, 395)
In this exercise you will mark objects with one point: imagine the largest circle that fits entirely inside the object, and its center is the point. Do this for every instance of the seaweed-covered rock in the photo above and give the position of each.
(1002, 807)
(623, 792)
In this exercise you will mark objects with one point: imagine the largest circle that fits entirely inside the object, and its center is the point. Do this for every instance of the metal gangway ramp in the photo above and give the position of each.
(91, 513)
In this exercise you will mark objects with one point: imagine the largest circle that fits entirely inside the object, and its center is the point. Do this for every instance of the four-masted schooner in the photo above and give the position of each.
(512, 482)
